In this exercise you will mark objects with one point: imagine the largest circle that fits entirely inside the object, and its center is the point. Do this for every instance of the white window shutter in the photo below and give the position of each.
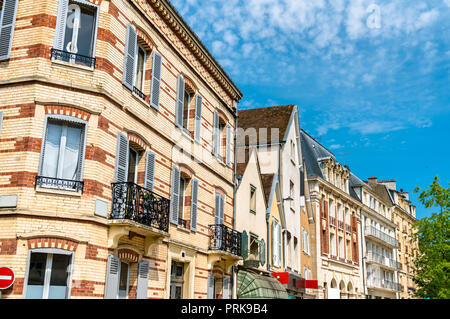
(7, 19)
(226, 288)
(142, 284)
(194, 204)
(149, 170)
(211, 287)
(180, 101)
(112, 277)
(215, 136)
(156, 80)
(175, 198)
(130, 56)
(228, 145)
(198, 118)
(121, 173)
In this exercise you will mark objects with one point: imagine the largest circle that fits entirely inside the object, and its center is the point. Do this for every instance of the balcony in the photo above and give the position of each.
(72, 58)
(348, 228)
(139, 93)
(340, 224)
(377, 283)
(332, 220)
(380, 236)
(382, 260)
(137, 206)
(223, 238)
(59, 184)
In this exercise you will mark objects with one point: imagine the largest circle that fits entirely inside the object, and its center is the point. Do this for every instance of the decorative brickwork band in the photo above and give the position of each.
(128, 255)
(46, 242)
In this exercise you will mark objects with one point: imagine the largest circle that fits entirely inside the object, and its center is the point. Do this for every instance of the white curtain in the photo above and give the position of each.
(71, 153)
(51, 153)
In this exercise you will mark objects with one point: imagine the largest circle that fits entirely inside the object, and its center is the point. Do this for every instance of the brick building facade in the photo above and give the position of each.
(96, 98)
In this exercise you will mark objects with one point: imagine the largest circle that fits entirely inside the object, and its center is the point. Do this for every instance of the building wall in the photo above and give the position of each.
(33, 86)
(252, 223)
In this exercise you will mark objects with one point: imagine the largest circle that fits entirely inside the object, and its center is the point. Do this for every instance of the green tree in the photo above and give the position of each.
(432, 265)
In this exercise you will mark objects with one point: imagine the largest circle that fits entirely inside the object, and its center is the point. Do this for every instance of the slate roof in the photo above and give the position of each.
(312, 151)
(382, 192)
(265, 118)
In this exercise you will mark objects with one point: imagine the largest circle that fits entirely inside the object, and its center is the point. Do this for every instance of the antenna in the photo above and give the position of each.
(344, 155)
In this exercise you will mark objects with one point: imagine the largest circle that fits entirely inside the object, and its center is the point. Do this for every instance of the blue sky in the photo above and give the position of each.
(371, 78)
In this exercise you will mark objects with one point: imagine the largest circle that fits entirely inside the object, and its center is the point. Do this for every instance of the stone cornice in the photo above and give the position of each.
(190, 39)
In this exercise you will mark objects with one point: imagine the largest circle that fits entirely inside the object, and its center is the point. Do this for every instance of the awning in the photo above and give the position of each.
(254, 286)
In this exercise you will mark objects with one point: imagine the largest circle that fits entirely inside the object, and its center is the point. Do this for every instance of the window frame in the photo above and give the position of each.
(70, 119)
(95, 31)
(138, 46)
(48, 251)
(128, 279)
(252, 191)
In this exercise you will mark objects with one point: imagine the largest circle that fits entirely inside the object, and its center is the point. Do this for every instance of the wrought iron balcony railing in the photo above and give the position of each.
(72, 58)
(136, 203)
(58, 183)
(348, 228)
(139, 93)
(384, 284)
(372, 231)
(225, 239)
(383, 260)
(340, 224)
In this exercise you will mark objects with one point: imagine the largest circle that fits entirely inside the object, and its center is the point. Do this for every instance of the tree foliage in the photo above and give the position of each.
(432, 265)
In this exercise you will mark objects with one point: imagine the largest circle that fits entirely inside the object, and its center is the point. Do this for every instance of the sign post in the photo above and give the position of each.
(7, 278)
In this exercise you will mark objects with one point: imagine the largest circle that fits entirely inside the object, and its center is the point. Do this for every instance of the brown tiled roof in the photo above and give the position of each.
(267, 181)
(265, 118)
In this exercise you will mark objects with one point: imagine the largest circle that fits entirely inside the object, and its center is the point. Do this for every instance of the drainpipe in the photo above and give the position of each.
(268, 241)
(233, 268)
(363, 258)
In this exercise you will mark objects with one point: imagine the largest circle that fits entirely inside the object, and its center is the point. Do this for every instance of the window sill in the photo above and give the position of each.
(180, 228)
(140, 100)
(57, 191)
(73, 65)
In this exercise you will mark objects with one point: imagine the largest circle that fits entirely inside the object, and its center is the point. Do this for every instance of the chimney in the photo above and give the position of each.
(373, 180)
(405, 194)
(391, 184)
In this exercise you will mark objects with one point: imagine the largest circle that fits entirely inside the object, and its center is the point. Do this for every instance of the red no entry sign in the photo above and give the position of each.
(6, 277)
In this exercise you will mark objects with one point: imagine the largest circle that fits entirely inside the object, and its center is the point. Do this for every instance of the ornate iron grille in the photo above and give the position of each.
(225, 239)
(136, 203)
(73, 57)
(182, 223)
(139, 93)
(58, 183)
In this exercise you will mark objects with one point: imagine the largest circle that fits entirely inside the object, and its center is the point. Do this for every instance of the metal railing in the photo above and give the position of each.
(348, 228)
(182, 223)
(72, 58)
(340, 224)
(332, 220)
(136, 203)
(225, 239)
(383, 260)
(139, 93)
(58, 183)
(384, 284)
(372, 231)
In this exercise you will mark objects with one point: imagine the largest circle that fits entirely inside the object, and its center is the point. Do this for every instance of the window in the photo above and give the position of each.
(176, 280)
(124, 280)
(292, 195)
(133, 160)
(341, 247)
(293, 151)
(141, 57)
(76, 32)
(305, 237)
(333, 244)
(332, 212)
(340, 216)
(349, 250)
(254, 246)
(252, 199)
(183, 184)
(49, 275)
(62, 154)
